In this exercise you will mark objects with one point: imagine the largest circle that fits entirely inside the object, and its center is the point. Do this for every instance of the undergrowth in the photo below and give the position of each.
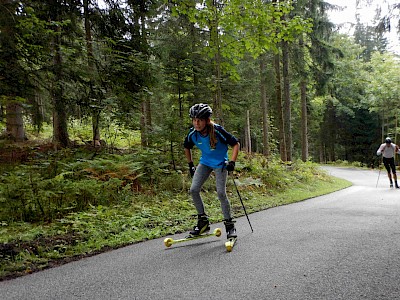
(70, 205)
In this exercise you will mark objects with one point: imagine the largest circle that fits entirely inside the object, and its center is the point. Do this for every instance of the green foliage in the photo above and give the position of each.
(246, 27)
(276, 174)
(50, 189)
(154, 210)
(383, 94)
(350, 164)
(114, 135)
(80, 202)
(47, 191)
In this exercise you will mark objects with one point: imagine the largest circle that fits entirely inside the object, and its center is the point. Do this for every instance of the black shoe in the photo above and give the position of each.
(203, 225)
(230, 229)
(391, 185)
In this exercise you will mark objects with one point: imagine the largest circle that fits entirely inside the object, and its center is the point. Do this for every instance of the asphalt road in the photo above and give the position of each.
(345, 245)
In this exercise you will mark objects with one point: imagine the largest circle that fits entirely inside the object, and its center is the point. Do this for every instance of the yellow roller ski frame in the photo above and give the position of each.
(168, 242)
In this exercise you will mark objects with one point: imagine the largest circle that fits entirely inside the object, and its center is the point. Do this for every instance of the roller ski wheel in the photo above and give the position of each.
(230, 244)
(168, 242)
(230, 234)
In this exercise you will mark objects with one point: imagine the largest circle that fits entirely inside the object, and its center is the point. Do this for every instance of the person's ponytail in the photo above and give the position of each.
(212, 134)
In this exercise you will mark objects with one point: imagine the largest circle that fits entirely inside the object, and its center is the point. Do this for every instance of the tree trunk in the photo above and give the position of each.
(395, 127)
(145, 122)
(60, 124)
(92, 70)
(11, 72)
(38, 113)
(281, 124)
(328, 131)
(218, 115)
(96, 128)
(247, 133)
(2, 114)
(321, 153)
(383, 126)
(180, 96)
(143, 127)
(15, 124)
(303, 96)
(264, 105)
(304, 121)
(218, 93)
(287, 100)
(194, 66)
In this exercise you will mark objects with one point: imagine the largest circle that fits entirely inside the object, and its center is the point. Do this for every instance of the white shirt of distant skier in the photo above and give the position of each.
(387, 151)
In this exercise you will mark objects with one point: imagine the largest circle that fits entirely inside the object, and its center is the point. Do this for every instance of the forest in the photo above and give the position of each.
(94, 101)
(277, 73)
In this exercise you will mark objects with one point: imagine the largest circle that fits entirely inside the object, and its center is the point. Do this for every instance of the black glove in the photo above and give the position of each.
(230, 166)
(192, 169)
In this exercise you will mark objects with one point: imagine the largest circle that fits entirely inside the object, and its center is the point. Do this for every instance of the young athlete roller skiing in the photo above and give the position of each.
(388, 150)
(213, 141)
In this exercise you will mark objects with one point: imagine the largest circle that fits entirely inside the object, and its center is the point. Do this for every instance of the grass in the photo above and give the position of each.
(77, 204)
(80, 132)
(26, 248)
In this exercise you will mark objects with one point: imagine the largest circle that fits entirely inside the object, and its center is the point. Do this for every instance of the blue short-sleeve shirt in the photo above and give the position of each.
(214, 158)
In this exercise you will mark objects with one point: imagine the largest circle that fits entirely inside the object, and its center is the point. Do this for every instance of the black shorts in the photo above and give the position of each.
(389, 164)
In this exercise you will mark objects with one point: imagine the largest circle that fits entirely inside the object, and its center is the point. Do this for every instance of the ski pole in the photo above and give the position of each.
(241, 201)
(379, 174)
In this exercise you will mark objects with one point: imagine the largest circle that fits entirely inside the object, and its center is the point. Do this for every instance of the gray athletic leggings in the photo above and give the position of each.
(200, 176)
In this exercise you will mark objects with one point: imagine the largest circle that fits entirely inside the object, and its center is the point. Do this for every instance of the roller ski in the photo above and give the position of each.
(201, 230)
(168, 242)
(230, 234)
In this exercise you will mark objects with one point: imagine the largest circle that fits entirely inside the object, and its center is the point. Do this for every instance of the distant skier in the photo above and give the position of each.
(388, 150)
(213, 141)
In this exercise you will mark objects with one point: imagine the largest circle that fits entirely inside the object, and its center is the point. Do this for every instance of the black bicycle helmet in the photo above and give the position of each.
(200, 111)
(388, 140)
